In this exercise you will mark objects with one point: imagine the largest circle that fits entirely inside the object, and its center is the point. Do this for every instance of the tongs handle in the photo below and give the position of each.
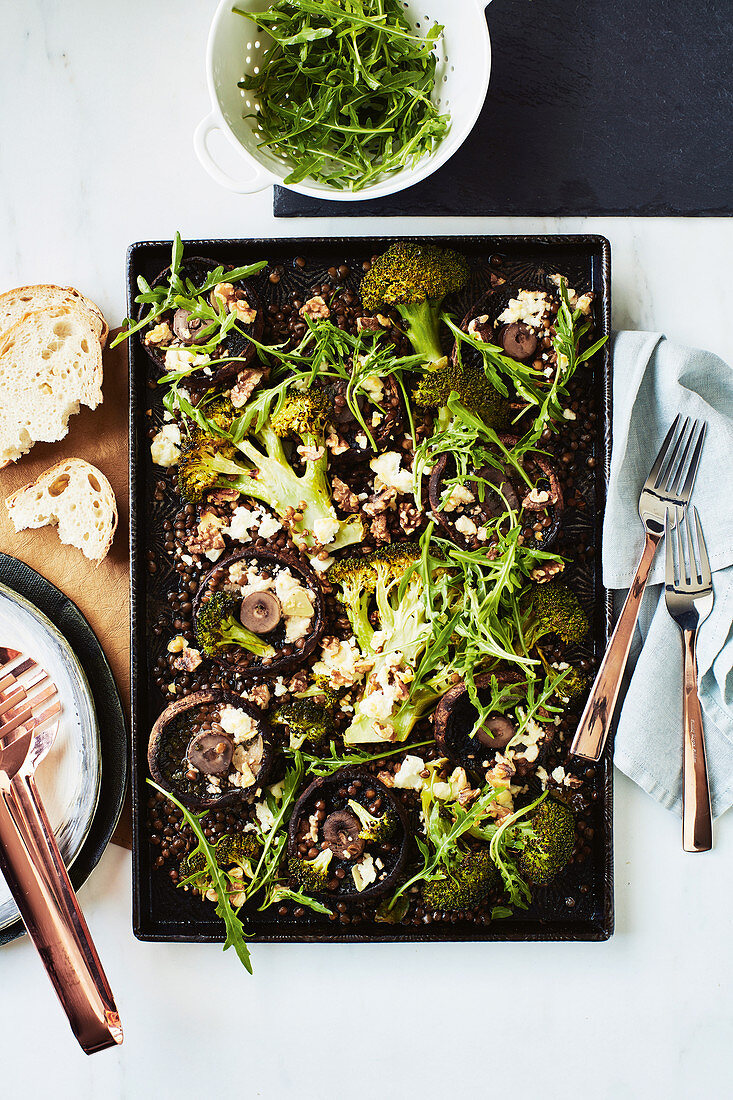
(595, 721)
(34, 870)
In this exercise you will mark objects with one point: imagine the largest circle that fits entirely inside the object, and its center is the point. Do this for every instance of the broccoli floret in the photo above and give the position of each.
(468, 884)
(312, 874)
(355, 581)
(375, 829)
(573, 685)
(415, 278)
(469, 382)
(237, 849)
(269, 477)
(309, 717)
(550, 844)
(553, 609)
(217, 625)
(196, 470)
(305, 415)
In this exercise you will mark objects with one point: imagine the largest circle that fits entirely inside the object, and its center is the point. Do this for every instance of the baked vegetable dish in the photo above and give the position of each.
(372, 660)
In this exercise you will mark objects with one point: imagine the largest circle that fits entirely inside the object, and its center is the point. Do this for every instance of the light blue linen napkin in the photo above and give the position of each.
(654, 379)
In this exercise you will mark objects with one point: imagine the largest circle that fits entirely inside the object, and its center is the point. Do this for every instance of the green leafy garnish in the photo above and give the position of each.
(220, 883)
(344, 91)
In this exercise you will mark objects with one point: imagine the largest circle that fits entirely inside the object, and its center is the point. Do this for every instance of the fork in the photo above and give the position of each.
(669, 484)
(688, 589)
(30, 859)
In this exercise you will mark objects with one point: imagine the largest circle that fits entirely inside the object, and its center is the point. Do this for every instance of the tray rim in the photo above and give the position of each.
(567, 930)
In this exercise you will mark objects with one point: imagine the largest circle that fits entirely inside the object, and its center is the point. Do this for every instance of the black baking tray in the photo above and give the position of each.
(599, 108)
(160, 911)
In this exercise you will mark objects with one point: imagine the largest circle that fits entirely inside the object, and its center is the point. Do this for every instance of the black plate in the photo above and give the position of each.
(160, 911)
(67, 617)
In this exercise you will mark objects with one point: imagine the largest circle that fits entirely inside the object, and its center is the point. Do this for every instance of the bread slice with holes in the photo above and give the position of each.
(50, 364)
(14, 304)
(77, 498)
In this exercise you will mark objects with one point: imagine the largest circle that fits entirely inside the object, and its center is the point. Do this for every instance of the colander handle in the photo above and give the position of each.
(258, 177)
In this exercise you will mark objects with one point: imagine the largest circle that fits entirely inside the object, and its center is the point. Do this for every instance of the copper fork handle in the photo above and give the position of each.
(39, 883)
(697, 823)
(595, 721)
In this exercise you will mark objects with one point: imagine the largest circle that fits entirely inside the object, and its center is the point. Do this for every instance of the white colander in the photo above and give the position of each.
(462, 80)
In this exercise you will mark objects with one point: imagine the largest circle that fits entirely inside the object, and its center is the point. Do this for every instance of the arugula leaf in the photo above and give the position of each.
(235, 934)
(344, 90)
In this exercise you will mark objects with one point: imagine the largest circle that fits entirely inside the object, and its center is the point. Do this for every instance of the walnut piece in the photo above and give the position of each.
(410, 517)
(247, 382)
(346, 499)
(315, 308)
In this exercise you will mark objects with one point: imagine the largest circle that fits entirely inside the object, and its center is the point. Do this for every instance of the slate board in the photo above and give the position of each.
(595, 107)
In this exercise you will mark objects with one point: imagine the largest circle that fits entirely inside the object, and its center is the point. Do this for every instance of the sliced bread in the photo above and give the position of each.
(14, 304)
(75, 496)
(50, 364)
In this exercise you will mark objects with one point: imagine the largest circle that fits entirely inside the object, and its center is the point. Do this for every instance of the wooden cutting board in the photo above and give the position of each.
(102, 593)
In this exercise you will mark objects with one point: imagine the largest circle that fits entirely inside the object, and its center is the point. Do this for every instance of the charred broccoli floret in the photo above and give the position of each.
(217, 625)
(312, 874)
(553, 609)
(238, 849)
(269, 477)
(415, 278)
(473, 389)
(467, 885)
(375, 829)
(310, 717)
(196, 465)
(550, 843)
(573, 684)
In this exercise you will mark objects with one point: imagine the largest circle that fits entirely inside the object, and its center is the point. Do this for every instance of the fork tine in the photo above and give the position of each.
(691, 560)
(652, 479)
(694, 463)
(705, 573)
(672, 458)
(681, 576)
(677, 468)
(670, 576)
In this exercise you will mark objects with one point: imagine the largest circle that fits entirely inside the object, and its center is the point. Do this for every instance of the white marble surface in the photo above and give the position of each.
(99, 102)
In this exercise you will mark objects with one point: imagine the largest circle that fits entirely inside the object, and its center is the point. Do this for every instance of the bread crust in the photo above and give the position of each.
(69, 466)
(40, 291)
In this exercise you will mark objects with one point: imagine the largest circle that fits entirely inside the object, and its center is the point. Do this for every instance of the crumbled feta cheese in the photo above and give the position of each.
(296, 627)
(407, 777)
(389, 474)
(321, 566)
(182, 358)
(364, 872)
(164, 449)
(268, 527)
(466, 526)
(326, 529)
(237, 723)
(341, 662)
(459, 494)
(527, 307)
(241, 521)
(373, 387)
(559, 774)
(265, 816)
(569, 414)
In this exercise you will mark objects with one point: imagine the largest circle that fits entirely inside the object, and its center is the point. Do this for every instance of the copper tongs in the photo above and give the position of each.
(31, 862)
